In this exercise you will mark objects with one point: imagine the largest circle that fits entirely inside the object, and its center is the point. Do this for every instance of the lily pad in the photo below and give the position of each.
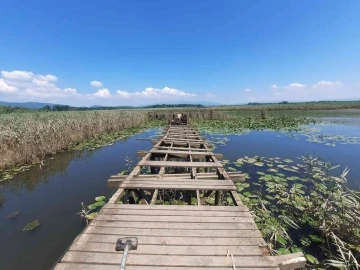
(31, 226)
(100, 198)
(13, 215)
(91, 216)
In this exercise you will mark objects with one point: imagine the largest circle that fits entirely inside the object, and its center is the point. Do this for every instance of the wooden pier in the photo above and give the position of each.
(192, 236)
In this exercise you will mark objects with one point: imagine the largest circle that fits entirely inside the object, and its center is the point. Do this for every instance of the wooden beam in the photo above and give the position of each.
(180, 164)
(290, 261)
(194, 153)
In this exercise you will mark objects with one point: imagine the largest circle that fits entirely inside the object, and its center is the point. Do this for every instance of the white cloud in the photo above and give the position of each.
(96, 84)
(322, 90)
(123, 94)
(5, 88)
(210, 95)
(17, 75)
(102, 93)
(295, 85)
(26, 84)
(70, 91)
(247, 90)
(165, 92)
(274, 86)
(326, 84)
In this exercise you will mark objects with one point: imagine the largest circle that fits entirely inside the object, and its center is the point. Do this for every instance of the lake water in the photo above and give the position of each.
(52, 194)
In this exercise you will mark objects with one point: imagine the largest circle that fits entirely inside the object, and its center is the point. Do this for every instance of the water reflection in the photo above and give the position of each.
(37, 175)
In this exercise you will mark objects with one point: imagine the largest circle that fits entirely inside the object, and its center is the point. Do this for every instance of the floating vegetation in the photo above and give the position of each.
(305, 207)
(213, 142)
(31, 226)
(13, 215)
(89, 212)
(316, 135)
(243, 125)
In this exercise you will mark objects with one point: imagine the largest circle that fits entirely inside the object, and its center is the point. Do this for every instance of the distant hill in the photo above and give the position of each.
(29, 105)
(40, 105)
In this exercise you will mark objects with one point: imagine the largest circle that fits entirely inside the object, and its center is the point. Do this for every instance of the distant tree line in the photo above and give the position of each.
(173, 105)
(269, 103)
(63, 108)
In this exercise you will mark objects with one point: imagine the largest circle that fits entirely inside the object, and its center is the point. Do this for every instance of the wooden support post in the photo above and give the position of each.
(154, 196)
(218, 198)
(198, 197)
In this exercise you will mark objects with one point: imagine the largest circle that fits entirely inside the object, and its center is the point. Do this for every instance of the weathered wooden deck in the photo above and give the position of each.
(191, 237)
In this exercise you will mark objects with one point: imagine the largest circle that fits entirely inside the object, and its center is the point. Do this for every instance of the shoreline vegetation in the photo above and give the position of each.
(27, 139)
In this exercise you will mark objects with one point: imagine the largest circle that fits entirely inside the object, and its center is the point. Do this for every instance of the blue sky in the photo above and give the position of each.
(142, 52)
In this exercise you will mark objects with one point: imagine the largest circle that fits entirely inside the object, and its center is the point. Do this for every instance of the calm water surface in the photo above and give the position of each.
(53, 194)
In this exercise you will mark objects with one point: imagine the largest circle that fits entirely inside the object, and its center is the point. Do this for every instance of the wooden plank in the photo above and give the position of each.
(124, 232)
(140, 212)
(174, 260)
(195, 154)
(290, 261)
(202, 184)
(143, 176)
(174, 218)
(181, 148)
(185, 226)
(116, 181)
(176, 187)
(179, 164)
(83, 266)
(178, 207)
(170, 250)
(166, 138)
(115, 198)
(201, 181)
(173, 241)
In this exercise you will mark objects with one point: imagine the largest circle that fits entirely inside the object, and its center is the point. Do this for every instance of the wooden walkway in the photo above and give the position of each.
(193, 236)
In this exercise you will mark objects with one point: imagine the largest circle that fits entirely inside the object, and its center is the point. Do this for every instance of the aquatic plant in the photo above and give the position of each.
(89, 212)
(31, 226)
(308, 208)
(236, 125)
(13, 215)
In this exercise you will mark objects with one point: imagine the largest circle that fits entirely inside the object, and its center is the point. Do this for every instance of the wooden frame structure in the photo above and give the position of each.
(175, 237)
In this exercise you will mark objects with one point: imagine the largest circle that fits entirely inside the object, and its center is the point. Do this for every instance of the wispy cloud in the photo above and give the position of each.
(247, 89)
(326, 84)
(294, 85)
(274, 86)
(210, 95)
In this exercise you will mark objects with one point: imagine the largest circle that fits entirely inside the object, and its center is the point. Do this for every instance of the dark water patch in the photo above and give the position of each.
(52, 195)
